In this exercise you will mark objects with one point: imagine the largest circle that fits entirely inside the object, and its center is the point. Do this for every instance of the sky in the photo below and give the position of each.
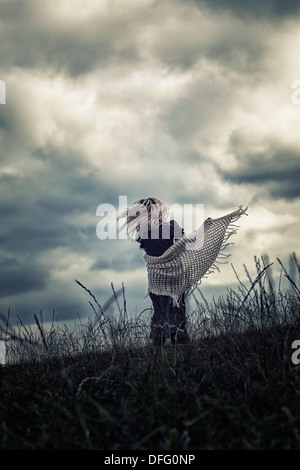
(193, 102)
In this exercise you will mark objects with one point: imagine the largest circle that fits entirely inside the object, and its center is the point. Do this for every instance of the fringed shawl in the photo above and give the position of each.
(180, 269)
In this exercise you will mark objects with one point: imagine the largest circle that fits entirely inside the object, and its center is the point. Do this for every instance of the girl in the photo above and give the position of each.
(147, 224)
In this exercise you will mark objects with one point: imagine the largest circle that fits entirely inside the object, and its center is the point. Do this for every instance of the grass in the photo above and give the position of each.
(103, 385)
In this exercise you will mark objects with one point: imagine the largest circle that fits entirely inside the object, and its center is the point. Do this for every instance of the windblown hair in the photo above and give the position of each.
(142, 216)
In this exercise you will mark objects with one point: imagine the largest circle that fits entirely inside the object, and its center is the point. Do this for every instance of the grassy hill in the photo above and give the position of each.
(104, 386)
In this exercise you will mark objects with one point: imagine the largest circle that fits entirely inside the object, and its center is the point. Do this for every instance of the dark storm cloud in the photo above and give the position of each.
(19, 277)
(232, 47)
(132, 262)
(34, 37)
(51, 204)
(266, 8)
(135, 101)
(279, 172)
(41, 205)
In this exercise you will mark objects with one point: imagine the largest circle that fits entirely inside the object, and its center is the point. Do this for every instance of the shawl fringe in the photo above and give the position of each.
(180, 269)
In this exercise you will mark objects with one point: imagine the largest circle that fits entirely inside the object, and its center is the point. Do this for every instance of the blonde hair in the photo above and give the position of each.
(144, 215)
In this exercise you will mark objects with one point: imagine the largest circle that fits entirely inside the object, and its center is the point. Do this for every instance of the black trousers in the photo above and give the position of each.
(168, 320)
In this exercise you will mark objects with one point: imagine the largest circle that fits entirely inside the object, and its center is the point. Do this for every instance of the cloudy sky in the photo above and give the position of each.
(185, 100)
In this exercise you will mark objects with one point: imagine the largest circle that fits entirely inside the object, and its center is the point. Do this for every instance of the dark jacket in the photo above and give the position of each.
(157, 243)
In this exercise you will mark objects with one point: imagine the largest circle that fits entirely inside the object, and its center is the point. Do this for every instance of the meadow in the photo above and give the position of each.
(103, 386)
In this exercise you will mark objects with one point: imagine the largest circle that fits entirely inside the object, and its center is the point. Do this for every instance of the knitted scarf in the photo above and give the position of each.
(182, 266)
